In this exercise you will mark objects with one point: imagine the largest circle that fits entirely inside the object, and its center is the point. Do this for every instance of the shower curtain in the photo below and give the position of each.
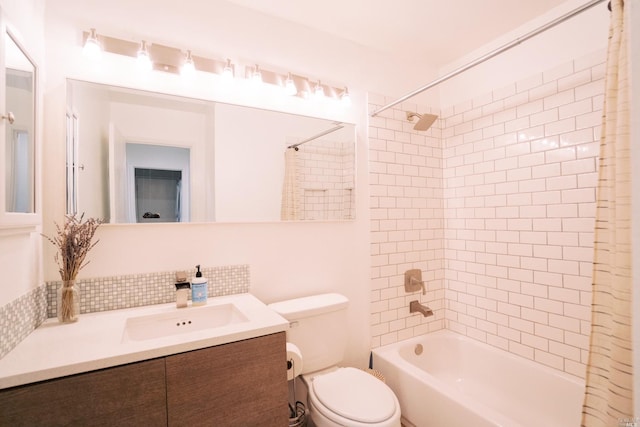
(608, 399)
(290, 208)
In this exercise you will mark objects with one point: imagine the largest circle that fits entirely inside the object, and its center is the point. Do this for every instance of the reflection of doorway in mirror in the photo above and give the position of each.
(158, 183)
(19, 151)
(19, 177)
(157, 195)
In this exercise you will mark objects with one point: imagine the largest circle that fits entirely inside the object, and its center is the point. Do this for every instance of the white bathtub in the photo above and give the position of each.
(458, 381)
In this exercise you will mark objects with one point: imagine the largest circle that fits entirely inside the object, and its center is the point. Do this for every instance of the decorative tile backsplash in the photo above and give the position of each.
(134, 290)
(20, 317)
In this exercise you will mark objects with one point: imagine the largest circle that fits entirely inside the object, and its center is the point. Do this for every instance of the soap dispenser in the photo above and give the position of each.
(199, 288)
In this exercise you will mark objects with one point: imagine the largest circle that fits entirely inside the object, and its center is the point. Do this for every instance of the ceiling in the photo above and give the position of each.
(442, 30)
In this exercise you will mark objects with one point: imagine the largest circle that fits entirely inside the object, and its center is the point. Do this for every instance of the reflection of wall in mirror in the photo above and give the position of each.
(91, 107)
(19, 166)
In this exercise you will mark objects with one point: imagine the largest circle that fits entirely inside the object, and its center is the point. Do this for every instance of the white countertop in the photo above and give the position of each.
(97, 340)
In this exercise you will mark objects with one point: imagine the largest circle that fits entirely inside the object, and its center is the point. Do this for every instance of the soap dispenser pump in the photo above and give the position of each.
(199, 288)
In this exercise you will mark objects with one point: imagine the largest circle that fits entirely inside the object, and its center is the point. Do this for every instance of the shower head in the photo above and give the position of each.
(424, 120)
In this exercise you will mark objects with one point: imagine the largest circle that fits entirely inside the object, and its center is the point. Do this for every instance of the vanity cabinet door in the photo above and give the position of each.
(238, 384)
(128, 395)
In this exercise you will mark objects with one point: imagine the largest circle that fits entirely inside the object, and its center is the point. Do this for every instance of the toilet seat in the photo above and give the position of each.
(350, 396)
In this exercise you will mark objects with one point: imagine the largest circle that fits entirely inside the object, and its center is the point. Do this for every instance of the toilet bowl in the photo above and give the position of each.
(350, 397)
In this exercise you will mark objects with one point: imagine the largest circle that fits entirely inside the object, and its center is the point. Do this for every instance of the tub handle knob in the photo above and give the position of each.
(420, 283)
(413, 281)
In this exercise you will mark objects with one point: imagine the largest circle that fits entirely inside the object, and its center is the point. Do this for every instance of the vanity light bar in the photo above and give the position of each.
(170, 60)
(165, 58)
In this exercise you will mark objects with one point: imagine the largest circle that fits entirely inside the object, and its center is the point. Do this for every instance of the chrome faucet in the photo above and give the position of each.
(416, 307)
(183, 289)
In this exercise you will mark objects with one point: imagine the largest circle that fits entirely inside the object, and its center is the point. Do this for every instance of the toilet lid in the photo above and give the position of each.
(356, 395)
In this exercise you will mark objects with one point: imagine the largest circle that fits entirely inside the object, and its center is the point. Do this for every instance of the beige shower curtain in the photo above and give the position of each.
(290, 209)
(608, 397)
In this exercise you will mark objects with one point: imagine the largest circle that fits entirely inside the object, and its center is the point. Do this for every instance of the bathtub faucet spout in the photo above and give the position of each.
(416, 307)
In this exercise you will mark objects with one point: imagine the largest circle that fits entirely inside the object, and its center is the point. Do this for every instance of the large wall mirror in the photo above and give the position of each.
(20, 129)
(136, 157)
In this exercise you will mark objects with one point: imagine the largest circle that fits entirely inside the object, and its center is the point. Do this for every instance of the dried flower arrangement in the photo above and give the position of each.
(73, 241)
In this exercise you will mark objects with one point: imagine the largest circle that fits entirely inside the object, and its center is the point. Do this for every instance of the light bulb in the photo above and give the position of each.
(256, 76)
(290, 86)
(227, 71)
(144, 59)
(92, 49)
(345, 98)
(188, 68)
(318, 92)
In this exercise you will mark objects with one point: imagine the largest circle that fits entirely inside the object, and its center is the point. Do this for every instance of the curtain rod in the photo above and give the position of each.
(328, 131)
(490, 55)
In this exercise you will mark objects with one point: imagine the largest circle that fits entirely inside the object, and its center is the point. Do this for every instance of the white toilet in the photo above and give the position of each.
(336, 396)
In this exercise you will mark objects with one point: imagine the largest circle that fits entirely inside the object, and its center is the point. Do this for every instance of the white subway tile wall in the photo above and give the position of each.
(518, 175)
(406, 222)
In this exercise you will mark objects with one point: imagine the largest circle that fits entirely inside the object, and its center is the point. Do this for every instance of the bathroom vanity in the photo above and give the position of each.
(233, 374)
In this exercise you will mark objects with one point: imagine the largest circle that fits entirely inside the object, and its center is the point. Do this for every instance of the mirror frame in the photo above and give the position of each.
(17, 222)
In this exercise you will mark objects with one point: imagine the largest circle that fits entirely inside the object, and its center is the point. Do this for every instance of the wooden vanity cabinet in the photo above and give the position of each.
(128, 395)
(243, 383)
(240, 384)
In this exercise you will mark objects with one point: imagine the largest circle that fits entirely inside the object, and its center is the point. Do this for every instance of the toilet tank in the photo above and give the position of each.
(318, 326)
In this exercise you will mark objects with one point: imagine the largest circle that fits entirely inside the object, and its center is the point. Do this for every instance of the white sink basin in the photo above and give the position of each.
(181, 321)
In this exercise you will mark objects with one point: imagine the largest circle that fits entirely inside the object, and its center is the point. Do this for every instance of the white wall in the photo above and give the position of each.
(574, 38)
(286, 259)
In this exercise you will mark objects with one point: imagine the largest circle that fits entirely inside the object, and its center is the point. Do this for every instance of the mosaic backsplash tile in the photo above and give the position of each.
(117, 292)
(20, 317)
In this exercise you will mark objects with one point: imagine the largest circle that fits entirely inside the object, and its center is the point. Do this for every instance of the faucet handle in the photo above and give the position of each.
(416, 282)
(181, 276)
(413, 281)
